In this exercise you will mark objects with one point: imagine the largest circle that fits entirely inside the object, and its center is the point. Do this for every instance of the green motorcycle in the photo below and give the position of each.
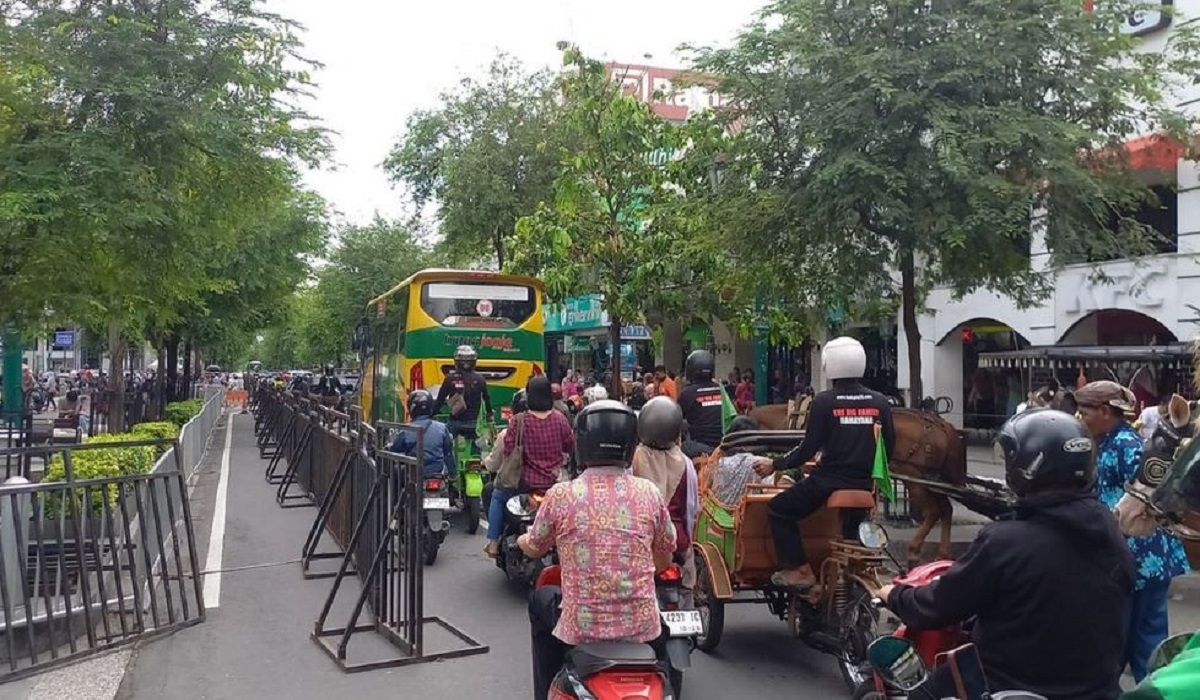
(472, 476)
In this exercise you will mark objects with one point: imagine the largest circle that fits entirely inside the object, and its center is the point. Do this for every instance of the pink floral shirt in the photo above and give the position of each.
(607, 524)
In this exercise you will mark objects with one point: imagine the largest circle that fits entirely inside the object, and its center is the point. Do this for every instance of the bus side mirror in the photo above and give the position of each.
(362, 337)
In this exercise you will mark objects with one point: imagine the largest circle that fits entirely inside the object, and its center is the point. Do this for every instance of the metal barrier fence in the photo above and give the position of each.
(371, 503)
(195, 434)
(89, 564)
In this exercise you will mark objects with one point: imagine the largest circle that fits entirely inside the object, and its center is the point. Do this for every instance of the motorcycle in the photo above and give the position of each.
(957, 675)
(519, 512)
(618, 670)
(436, 503)
(468, 489)
(928, 643)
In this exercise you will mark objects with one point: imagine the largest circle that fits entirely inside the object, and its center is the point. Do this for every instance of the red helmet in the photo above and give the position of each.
(556, 389)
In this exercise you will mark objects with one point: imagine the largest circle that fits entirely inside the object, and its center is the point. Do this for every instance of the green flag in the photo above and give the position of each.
(728, 411)
(880, 472)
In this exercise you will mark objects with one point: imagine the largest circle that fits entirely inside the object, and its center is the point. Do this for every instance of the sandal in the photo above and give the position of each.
(492, 549)
(779, 580)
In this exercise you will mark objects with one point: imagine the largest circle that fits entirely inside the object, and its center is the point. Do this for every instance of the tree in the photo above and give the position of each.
(486, 156)
(611, 227)
(926, 140)
(149, 136)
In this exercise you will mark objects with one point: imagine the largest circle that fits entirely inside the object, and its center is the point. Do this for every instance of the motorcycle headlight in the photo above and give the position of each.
(518, 506)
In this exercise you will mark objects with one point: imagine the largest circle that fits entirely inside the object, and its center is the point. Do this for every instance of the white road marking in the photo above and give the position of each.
(216, 539)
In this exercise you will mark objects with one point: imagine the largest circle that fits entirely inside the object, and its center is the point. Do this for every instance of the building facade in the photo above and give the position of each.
(1118, 319)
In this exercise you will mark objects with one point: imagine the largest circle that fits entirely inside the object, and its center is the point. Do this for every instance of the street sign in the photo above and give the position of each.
(64, 340)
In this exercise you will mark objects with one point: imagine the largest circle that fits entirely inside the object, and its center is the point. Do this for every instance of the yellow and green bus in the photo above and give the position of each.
(415, 327)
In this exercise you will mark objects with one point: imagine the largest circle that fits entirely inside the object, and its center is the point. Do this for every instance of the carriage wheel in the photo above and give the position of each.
(712, 611)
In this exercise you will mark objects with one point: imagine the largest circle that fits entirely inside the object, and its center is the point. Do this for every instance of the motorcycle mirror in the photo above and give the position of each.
(897, 660)
(872, 535)
(1167, 650)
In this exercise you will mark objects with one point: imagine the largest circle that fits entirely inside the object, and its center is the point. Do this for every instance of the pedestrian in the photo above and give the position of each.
(1104, 406)
(666, 385)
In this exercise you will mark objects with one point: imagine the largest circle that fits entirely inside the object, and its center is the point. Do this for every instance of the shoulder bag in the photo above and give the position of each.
(508, 476)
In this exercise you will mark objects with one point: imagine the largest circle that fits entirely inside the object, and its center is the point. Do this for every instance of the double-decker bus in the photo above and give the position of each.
(411, 332)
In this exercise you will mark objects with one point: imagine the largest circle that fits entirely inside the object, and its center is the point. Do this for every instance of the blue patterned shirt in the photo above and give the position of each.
(1160, 557)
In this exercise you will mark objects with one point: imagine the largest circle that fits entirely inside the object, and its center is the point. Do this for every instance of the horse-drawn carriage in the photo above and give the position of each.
(735, 557)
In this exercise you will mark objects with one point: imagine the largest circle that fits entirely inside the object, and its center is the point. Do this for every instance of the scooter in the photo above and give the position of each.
(928, 643)
(436, 503)
(621, 670)
(519, 513)
(958, 675)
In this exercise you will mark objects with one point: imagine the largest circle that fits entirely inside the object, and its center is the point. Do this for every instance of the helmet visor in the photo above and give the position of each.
(1179, 491)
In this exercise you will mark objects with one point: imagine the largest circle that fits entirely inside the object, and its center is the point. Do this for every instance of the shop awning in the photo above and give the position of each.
(1175, 355)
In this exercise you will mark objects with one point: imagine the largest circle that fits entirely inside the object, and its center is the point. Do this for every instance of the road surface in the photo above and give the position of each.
(256, 643)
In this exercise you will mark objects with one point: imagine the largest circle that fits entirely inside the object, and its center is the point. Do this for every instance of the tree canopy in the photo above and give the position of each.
(486, 156)
(876, 149)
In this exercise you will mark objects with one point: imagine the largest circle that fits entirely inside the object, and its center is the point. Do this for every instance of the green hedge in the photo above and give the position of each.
(181, 412)
(156, 430)
(103, 463)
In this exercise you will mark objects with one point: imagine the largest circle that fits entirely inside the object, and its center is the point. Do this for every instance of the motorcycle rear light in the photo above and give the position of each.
(416, 377)
(671, 574)
(627, 685)
(433, 484)
(537, 498)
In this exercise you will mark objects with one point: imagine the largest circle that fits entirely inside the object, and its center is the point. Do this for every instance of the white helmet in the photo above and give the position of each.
(596, 393)
(844, 358)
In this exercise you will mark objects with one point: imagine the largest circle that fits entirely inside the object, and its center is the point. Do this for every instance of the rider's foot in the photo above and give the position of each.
(800, 578)
(492, 548)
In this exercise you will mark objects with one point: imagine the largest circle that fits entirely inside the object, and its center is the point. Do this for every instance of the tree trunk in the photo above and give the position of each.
(118, 359)
(614, 360)
(187, 369)
(498, 244)
(172, 368)
(160, 389)
(908, 301)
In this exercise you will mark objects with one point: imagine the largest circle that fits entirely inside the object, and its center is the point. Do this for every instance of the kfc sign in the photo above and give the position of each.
(657, 88)
(1143, 21)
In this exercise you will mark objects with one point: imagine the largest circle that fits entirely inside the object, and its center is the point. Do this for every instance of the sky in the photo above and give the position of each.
(384, 59)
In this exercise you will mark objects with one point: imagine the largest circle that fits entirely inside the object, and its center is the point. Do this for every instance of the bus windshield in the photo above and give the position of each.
(484, 305)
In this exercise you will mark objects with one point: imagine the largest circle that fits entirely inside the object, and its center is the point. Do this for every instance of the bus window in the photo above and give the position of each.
(478, 304)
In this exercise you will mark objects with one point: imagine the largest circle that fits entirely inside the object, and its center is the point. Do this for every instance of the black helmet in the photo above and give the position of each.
(329, 368)
(605, 434)
(464, 358)
(659, 423)
(700, 366)
(420, 404)
(519, 402)
(1045, 449)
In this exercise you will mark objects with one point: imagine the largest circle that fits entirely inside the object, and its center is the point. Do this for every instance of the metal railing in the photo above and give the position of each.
(372, 505)
(89, 564)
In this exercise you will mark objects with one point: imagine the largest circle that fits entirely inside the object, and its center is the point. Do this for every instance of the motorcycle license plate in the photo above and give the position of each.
(437, 504)
(683, 623)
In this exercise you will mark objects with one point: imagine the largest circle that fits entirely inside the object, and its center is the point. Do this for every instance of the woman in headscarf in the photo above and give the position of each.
(659, 459)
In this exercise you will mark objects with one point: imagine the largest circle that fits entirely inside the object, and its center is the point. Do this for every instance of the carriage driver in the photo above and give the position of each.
(841, 426)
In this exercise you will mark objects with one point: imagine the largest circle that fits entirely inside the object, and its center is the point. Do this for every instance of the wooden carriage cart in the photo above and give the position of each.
(735, 557)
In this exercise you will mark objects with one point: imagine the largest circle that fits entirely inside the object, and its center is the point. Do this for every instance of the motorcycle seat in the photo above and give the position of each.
(590, 659)
(850, 498)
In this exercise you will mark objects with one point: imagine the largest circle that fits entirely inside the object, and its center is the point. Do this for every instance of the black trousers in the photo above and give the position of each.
(803, 499)
(549, 652)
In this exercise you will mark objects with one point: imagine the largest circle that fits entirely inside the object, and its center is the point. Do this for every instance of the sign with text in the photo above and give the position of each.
(1153, 16)
(576, 314)
(663, 89)
(64, 340)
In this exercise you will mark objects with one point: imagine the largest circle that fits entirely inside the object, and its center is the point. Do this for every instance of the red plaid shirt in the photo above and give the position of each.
(544, 441)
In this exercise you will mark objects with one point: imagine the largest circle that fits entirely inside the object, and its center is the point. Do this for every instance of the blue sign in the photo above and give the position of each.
(64, 339)
(635, 333)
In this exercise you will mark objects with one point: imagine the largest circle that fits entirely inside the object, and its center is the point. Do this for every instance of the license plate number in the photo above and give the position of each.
(683, 623)
(437, 504)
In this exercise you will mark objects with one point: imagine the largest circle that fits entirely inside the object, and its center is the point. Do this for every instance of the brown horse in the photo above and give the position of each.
(927, 447)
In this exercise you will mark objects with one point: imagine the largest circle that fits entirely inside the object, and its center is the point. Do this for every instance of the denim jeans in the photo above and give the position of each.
(495, 516)
(1147, 625)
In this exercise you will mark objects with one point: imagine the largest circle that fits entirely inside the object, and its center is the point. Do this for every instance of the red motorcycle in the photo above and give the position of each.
(928, 643)
(621, 670)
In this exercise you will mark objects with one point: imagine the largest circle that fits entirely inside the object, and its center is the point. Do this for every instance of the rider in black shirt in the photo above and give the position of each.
(701, 399)
(329, 386)
(841, 425)
(463, 380)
